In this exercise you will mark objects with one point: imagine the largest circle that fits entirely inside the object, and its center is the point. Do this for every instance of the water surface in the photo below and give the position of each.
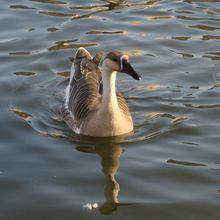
(168, 169)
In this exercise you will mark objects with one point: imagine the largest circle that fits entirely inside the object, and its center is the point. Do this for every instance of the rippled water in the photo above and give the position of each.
(168, 169)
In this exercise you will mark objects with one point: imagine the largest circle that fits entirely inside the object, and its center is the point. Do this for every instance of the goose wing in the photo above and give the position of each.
(83, 90)
(123, 104)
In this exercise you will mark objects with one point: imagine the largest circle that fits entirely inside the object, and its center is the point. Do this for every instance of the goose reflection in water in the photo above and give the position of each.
(110, 155)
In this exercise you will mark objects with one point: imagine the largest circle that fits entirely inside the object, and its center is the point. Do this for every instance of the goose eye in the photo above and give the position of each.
(114, 59)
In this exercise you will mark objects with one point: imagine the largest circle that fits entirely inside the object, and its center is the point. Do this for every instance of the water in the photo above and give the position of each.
(168, 169)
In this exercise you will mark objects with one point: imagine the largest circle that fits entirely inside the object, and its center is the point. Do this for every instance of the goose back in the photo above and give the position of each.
(83, 94)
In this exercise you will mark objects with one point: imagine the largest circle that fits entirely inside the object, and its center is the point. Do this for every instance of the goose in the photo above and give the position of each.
(93, 106)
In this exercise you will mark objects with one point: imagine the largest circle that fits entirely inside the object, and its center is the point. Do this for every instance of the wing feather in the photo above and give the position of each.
(122, 104)
(84, 88)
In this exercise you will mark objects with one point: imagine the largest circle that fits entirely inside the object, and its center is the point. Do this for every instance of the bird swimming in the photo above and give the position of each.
(93, 105)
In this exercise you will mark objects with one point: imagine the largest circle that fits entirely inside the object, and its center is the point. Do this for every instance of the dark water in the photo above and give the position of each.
(170, 167)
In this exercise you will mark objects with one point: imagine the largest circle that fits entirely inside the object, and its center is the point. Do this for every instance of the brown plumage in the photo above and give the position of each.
(85, 104)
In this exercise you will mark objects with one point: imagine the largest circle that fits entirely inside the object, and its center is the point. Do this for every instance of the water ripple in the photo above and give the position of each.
(24, 73)
(210, 106)
(21, 7)
(67, 44)
(175, 109)
(105, 32)
(55, 2)
(204, 27)
(56, 14)
(184, 163)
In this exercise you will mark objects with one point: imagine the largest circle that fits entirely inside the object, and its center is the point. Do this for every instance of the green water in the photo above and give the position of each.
(168, 169)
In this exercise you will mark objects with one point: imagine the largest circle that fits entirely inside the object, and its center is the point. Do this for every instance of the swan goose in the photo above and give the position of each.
(93, 106)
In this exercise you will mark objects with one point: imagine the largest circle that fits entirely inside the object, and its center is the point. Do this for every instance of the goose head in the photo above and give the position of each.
(119, 62)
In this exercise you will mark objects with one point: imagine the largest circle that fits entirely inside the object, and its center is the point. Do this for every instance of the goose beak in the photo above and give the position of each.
(128, 69)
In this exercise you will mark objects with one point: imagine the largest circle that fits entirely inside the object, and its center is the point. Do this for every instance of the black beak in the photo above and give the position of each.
(128, 69)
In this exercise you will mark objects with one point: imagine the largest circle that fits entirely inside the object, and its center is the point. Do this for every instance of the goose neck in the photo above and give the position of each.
(109, 90)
